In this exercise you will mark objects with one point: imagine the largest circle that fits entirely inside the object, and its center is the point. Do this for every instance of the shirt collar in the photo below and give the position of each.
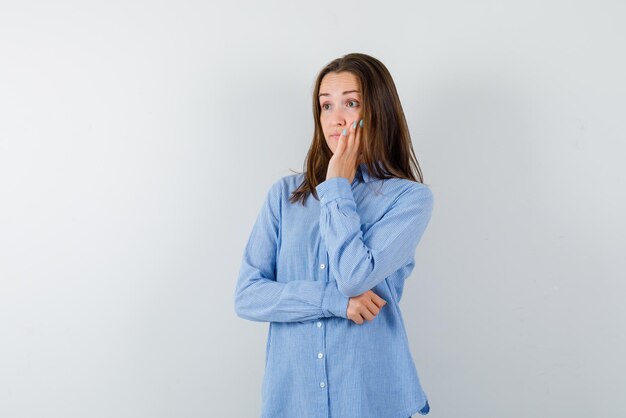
(365, 174)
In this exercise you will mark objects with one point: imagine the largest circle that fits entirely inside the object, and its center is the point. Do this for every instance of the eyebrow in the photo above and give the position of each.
(345, 92)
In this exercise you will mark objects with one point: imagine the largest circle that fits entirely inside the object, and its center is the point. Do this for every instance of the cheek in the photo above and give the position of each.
(325, 128)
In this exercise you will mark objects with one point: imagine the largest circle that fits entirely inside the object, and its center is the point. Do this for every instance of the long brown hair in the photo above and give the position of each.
(385, 137)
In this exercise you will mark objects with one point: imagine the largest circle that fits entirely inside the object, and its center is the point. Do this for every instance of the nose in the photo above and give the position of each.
(339, 118)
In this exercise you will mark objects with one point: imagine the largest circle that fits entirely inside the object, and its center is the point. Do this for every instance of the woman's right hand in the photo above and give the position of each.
(364, 307)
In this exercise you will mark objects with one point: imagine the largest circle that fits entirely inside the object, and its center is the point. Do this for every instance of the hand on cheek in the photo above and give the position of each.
(344, 161)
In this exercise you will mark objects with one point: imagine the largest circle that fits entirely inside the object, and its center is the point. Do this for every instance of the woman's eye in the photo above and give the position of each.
(351, 103)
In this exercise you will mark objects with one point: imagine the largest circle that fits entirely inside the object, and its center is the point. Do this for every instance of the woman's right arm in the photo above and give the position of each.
(259, 297)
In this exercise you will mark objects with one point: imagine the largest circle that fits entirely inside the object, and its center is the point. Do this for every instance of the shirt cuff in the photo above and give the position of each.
(334, 302)
(333, 188)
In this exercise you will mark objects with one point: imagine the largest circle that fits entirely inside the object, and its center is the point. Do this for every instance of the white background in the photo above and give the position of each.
(138, 140)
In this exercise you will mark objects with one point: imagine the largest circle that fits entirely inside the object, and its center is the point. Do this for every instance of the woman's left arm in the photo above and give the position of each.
(359, 264)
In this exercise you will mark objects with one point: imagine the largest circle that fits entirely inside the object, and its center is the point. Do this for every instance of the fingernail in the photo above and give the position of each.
(361, 123)
(344, 132)
(354, 125)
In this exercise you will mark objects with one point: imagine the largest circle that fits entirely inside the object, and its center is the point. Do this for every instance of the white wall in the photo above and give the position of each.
(138, 139)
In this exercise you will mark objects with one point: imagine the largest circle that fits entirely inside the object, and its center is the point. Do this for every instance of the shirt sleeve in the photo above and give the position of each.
(259, 297)
(358, 263)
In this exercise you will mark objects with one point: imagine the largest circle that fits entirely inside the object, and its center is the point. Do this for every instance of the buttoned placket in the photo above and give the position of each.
(320, 353)
(320, 328)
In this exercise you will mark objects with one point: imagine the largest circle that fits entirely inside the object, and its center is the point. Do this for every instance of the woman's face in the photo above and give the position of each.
(340, 104)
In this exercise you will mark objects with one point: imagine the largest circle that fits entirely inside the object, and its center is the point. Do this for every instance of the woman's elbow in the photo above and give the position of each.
(241, 308)
(244, 313)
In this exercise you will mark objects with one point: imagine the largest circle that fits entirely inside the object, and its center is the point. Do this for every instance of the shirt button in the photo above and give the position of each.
(322, 266)
(319, 324)
(320, 355)
(322, 384)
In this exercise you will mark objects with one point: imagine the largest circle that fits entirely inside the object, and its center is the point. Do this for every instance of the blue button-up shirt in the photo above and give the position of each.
(301, 265)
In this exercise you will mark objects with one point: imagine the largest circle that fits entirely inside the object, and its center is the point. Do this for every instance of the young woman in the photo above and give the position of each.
(327, 258)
